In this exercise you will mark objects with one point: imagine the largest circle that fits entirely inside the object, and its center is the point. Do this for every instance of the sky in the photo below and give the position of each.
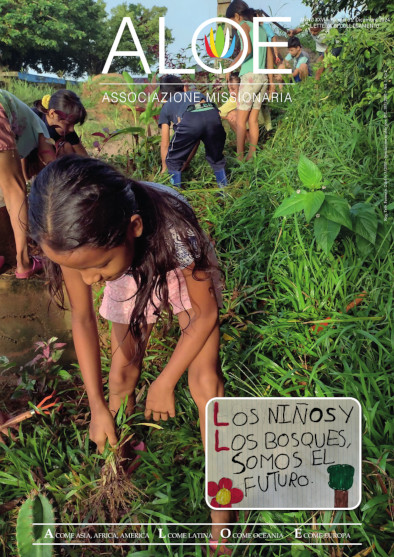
(184, 16)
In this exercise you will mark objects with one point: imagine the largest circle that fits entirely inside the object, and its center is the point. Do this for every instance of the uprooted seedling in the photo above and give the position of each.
(115, 491)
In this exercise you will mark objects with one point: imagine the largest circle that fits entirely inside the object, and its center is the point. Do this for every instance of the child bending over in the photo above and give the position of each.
(143, 239)
(61, 112)
(193, 120)
(228, 111)
(21, 134)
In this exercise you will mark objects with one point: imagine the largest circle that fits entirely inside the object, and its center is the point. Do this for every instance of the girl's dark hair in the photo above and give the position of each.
(240, 7)
(78, 201)
(66, 102)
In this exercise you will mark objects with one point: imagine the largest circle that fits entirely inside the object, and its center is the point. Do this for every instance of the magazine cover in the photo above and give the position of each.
(196, 278)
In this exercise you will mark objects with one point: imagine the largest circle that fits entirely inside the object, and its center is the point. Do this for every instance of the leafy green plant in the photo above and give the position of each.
(362, 76)
(36, 373)
(332, 212)
(37, 508)
(144, 140)
(106, 135)
(148, 113)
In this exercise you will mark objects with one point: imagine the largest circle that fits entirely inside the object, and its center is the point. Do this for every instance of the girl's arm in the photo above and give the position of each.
(276, 52)
(203, 319)
(270, 65)
(86, 342)
(165, 143)
(294, 32)
(46, 150)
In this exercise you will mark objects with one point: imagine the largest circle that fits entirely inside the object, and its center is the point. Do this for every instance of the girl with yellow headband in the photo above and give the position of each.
(60, 112)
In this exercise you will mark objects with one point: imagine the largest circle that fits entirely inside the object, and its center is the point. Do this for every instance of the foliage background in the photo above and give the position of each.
(73, 37)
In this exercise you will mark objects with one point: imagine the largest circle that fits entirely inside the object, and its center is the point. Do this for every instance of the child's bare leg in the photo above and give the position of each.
(253, 131)
(125, 371)
(242, 118)
(14, 191)
(232, 120)
(279, 77)
(205, 382)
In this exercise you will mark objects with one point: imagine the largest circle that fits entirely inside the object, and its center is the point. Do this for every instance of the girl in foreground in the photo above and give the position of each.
(95, 224)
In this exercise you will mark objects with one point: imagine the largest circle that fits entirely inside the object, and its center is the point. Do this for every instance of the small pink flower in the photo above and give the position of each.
(224, 495)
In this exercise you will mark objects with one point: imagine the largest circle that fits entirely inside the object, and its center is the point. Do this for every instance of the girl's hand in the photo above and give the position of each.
(102, 427)
(160, 402)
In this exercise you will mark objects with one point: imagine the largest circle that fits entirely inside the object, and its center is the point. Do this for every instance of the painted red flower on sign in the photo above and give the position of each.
(224, 494)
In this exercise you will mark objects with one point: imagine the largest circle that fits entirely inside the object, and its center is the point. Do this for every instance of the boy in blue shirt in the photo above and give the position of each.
(297, 59)
(193, 119)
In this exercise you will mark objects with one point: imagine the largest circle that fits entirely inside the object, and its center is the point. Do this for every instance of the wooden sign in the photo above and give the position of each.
(283, 453)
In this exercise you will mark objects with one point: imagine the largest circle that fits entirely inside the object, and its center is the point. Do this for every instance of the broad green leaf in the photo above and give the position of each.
(325, 232)
(129, 80)
(313, 202)
(291, 205)
(383, 239)
(363, 246)
(309, 173)
(131, 106)
(336, 209)
(365, 222)
(299, 550)
(147, 113)
(65, 375)
(152, 98)
(375, 501)
(28, 532)
(131, 129)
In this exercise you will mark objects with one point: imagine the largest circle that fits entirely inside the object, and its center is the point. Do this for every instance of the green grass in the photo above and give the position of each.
(278, 284)
(28, 92)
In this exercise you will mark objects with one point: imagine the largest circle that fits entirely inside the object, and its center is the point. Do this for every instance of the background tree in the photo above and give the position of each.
(73, 37)
(355, 8)
(146, 23)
